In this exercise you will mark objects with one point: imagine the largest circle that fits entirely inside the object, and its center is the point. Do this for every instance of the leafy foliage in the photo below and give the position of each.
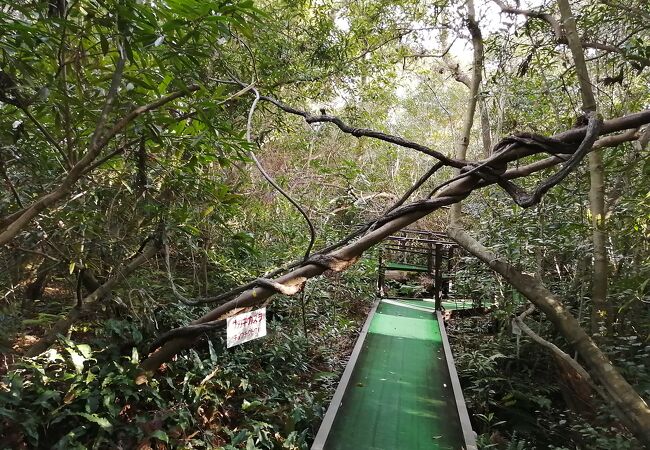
(183, 165)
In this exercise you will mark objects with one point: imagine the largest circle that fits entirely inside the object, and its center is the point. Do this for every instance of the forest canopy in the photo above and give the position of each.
(166, 165)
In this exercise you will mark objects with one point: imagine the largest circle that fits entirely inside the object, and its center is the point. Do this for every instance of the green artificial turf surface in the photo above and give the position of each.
(400, 396)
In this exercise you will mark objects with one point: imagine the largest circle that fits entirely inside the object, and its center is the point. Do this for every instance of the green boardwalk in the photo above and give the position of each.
(399, 394)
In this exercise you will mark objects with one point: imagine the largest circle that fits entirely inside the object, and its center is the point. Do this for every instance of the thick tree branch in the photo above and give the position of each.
(457, 72)
(607, 141)
(339, 256)
(526, 200)
(119, 150)
(567, 359)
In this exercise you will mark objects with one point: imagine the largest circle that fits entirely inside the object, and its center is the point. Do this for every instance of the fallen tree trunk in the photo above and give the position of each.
(392, 221)
(336, 261)
(632, 409)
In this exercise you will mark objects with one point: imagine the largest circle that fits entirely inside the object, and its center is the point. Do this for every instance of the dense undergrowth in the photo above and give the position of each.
(269, 393)
(184, 166)
(518, 397)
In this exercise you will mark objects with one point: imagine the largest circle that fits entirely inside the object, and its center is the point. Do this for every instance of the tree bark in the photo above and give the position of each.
(600, 273)
(633, 410)
(474, 87)
(596, 175)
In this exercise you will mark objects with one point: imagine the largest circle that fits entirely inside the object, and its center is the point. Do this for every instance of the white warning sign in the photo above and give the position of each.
(245, 327)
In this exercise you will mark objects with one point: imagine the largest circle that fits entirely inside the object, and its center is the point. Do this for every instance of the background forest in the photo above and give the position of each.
(131, 201)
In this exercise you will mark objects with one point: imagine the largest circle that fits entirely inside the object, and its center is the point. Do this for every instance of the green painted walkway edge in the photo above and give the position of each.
(400, 389)
(330, 414)
(449, 305)
(407, 267)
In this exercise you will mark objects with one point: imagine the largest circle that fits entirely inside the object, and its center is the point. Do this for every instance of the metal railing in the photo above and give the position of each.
(429, 252)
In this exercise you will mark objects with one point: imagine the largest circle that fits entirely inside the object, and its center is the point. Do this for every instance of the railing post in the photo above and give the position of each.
(438, 277)
(381, 274)
(450, 255)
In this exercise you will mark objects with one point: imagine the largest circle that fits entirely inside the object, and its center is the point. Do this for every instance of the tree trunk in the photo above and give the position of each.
(632, 409)
(486, 135)
(600, 311)
(596, 172)
(474, 87)
(89, 302)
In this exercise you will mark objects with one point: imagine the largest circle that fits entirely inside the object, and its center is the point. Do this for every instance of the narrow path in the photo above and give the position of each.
(399, 391)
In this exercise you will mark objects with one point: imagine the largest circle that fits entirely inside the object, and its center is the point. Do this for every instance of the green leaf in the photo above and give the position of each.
(77, 359)
(85, 350)
(94, 418)
(240, 437)
(160, 435)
